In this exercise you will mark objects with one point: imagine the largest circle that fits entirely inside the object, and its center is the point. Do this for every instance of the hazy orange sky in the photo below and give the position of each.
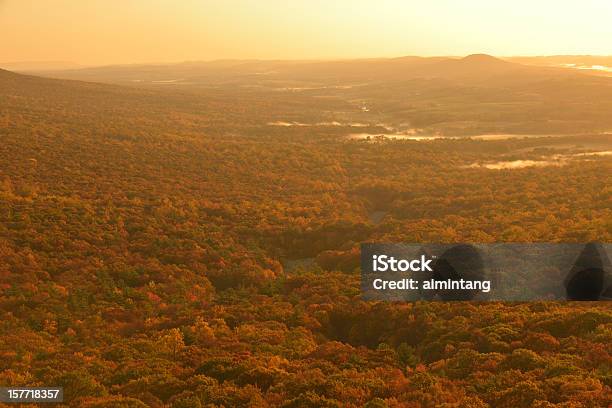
(132, 31)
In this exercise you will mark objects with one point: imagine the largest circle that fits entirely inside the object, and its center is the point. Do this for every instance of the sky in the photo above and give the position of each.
(96, 32)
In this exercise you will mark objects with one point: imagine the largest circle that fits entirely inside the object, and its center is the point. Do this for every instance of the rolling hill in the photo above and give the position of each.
(168, 247)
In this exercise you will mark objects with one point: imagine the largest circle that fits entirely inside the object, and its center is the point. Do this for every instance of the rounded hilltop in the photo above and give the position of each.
(482, 58)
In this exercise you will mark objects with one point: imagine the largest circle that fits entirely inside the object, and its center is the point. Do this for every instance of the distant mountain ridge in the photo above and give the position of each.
(26, 66)
(475, 67)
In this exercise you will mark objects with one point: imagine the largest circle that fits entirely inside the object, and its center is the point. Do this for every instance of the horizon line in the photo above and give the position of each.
(79, 65)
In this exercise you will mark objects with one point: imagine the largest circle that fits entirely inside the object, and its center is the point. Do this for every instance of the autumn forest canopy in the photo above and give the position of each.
(187, 235)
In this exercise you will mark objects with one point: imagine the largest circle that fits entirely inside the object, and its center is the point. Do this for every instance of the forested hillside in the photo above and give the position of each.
(170, 247)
